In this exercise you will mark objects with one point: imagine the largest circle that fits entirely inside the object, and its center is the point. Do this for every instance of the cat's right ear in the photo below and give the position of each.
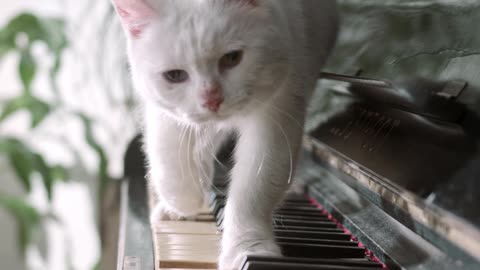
(135, 15)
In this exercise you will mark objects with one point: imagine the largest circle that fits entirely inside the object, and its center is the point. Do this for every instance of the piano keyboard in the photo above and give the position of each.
(308, 236)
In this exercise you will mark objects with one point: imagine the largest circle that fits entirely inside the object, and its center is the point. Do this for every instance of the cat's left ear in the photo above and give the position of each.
(135, 15)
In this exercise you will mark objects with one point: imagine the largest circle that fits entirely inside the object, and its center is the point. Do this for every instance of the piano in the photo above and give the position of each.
(389, 180)
(389, 176)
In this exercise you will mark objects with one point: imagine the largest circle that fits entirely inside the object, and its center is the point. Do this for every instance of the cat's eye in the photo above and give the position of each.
(176, 76)
(231, 60)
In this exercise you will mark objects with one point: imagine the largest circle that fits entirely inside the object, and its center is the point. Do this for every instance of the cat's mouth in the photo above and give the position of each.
(222, 115)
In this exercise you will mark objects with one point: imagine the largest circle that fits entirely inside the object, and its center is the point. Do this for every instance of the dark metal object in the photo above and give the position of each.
(435, 100)
(452, 89)
(416, 156)
(355, 80)
(136, 250)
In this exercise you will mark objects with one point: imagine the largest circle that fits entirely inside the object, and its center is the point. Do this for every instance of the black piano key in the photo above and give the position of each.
(214, 197)
(295, 202)
(307, 237)
(219, 182)
(316, 241)
(219, 217)
(219, 223)
(298, 204)
(217, 206)
(217, 197)
(279, 217)
(321, 251)
(300, 209)
(311, 235)
(299, 223)
(219, 213)
(280, 225)
(354, 264)
(296, 266)
(308, 229)
(312, 213)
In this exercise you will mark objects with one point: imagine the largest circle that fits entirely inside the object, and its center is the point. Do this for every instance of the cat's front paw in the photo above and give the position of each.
(160, 213)
(234, 254)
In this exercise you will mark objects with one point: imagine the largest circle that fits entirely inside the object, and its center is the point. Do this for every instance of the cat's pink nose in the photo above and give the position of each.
(214, 104)
(213, 98)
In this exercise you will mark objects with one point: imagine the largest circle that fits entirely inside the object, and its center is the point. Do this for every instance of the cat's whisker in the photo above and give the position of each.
(190, 153)
(216, 160)
(277, 221)
(207, 177)
(212, 153)
(198, 159)
(182, 138)
(207, 148)
(261, 165)
(290, 177)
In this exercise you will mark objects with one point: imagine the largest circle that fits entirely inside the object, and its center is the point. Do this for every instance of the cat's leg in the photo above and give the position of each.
(265, 155)
(175, 168)
(209, 140)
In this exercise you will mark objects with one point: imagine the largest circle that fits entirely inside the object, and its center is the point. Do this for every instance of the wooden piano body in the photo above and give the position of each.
(394, 159)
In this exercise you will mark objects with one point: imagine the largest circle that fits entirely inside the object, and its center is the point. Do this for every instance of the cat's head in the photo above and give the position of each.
(203, 60)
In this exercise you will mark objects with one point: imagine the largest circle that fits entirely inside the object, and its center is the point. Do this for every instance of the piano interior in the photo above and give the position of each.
(390, 168)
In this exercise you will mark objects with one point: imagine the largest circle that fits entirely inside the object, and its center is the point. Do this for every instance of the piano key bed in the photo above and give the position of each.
(309, 237)
(312, 235)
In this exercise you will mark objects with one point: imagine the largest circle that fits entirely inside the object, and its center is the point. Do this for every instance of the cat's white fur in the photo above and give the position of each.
(285, 44)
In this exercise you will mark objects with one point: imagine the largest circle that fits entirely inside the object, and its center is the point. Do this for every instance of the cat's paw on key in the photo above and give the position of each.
(160, 213)
(232, 256)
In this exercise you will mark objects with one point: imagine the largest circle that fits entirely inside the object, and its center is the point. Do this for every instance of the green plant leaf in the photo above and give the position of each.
(59, 173)
(4, 49)
(44, 170)
(22, 165)
(25, 162)
(49, 30)
(27, 218)
(38, 109)
(12, 106)
(92, 142)
(23, 23)
(54, 34)
(6, 44)
(53, 74)
(26, 69)
(20, 159)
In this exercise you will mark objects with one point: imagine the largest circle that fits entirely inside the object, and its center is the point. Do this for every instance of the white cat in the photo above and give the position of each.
(208, 68)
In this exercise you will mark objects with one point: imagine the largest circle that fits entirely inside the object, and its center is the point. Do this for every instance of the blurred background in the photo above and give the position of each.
(66, 109)
(65, 121)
